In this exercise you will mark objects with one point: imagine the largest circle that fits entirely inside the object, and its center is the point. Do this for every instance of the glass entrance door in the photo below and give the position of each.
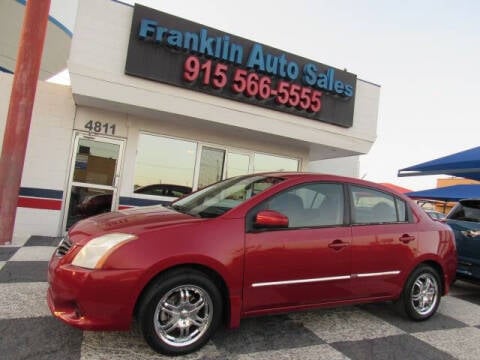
(211, 166)
(93, 178)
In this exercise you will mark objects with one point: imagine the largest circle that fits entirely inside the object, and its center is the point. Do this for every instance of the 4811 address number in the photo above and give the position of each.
(252, 84)
(100, 127)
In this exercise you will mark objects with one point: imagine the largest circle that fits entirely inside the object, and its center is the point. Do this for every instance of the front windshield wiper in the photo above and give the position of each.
(181, 209)
(205, 214)
(212, 212)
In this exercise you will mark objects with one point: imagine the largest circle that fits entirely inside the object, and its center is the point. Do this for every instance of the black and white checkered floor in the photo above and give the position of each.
(28, 331)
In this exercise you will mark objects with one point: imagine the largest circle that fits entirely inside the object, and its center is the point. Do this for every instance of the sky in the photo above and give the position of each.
(424, 55)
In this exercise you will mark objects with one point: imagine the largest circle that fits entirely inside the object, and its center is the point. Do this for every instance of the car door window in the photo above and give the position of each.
(375, 207)
(402, 212)
(311, 205)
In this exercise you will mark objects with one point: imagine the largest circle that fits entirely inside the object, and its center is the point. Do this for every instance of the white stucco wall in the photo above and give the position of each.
(97, 63)
(57, 40)
(48, 151)
(347, 166)
(130, 126)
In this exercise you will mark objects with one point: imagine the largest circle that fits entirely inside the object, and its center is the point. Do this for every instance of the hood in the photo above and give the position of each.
(130, 221)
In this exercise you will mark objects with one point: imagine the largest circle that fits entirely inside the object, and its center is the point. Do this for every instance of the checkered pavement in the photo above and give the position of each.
(28, 331)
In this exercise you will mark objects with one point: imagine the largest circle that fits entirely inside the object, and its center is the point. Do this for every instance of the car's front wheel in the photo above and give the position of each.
(180, 311)
(421, 295)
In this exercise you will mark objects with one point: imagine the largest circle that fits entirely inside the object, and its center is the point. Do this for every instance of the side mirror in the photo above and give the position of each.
(270, 219)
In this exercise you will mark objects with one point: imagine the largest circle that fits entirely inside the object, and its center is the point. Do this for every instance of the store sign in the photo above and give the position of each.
(179, 52)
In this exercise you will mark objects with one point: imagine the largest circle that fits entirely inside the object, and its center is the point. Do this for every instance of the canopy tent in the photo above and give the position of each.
(448, 193)
(464, 164)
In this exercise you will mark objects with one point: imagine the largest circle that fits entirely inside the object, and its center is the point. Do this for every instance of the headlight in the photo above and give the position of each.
(96, 251)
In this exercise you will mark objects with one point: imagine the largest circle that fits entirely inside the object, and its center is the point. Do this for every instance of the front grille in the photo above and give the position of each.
(64, 246)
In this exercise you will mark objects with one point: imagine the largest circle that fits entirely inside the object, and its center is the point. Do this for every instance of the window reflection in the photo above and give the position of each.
(371, 206)
(164, 190)
(237, 164)
(211, 166)
(264, 163)
(317, 204)
(162, 160)
(95, 162)
(86, 202)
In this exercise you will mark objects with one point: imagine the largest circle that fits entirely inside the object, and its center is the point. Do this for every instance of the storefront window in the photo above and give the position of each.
(162, 160)
(237, 164)
(264, 163)
(165, 164)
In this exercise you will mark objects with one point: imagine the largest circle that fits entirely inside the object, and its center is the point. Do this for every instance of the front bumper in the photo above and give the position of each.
(92, 299)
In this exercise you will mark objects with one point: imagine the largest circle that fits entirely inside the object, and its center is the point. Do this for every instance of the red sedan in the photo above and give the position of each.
(250, 245)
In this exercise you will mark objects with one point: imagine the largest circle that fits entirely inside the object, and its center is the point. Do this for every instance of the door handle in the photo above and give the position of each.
(337, 244)
(406, 238)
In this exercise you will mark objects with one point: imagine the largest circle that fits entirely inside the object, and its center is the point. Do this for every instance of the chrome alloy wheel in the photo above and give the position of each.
(424, 293)
(183, 315)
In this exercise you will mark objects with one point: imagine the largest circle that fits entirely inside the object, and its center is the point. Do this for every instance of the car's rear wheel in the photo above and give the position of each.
(421, 295)
(180, 311)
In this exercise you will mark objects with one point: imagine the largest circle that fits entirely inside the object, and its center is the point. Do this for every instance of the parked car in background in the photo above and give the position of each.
(464, 219)
(98, 204)
(164, 190)
(94, 205)
(250, 245)
(436, 215)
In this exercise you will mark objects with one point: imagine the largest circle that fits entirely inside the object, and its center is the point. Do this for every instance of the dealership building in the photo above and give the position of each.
(159, 106)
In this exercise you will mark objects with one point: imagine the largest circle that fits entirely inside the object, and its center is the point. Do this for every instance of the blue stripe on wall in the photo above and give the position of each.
(129, 201)
(43, 193)
(59, 24)
(58, 194)
(5, 70)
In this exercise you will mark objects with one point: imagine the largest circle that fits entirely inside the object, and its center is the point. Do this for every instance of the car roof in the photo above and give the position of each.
(296, 174)
(328, 177)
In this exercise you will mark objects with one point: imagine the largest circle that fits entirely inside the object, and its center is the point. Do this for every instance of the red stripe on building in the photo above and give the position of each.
(38, 203)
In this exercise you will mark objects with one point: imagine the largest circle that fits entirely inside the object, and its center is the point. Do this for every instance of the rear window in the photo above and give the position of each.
(375, 207)
(466, 210)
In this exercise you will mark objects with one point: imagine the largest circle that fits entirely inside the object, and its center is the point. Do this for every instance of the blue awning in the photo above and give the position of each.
(448, 193)
(464, 164)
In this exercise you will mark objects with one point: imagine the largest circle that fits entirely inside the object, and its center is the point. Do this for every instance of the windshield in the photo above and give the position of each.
(466, 210)
(218, 198)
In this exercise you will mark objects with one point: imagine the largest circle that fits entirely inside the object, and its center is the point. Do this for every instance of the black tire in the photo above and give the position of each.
(421, 295)
(180, 311)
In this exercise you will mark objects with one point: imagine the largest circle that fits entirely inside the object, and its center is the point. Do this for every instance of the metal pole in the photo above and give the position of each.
(20, 112)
